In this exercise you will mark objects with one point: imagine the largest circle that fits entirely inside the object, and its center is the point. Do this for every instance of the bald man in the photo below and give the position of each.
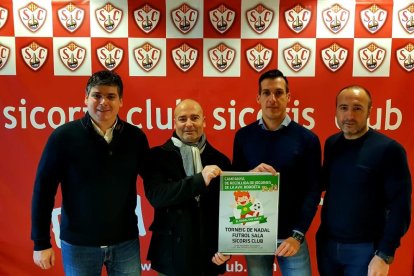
(366, 208)
(183, 187)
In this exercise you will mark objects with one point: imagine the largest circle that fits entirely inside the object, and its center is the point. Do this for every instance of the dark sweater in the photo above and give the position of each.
(98, 183)
(368, 191)
(295, 153)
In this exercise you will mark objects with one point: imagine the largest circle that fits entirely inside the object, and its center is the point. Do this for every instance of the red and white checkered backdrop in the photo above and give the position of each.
(212, 51)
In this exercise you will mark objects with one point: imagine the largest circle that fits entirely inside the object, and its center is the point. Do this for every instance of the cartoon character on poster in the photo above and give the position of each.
(247, 209)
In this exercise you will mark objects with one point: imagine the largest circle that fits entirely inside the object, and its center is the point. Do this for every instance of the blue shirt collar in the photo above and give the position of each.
(286, 121)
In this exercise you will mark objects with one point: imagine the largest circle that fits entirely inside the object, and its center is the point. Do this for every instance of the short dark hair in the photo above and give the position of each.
(107, 78)
(272, 74)
(358, 87)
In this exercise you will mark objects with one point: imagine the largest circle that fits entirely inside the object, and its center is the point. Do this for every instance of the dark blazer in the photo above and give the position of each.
(184, 231)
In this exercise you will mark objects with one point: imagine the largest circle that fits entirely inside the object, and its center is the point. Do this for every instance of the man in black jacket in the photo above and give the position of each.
(183, 187)
(96, 160)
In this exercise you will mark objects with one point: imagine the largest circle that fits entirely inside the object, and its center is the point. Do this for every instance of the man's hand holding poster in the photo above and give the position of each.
(248, 213)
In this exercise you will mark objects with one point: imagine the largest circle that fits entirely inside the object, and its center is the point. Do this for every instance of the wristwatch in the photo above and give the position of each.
(387, 259)
(298, 236)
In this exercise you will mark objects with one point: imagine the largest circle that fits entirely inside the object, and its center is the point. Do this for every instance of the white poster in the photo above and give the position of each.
(248, 213)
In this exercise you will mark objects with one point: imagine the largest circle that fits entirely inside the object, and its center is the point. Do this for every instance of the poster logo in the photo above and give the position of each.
(334, 57)
(34, 56)
(296, 57)
(221, 57)
(373, 18)
(405, 57)
(4, 13)
(335, 18)
(147, 18)
(372, 57)
(259, 18)
(72, 56)
(33, 17)
(298, 18)
(184, 57)
(147, 56)
(406, 17)
(259, 57)
(4, 55)
(222, 18)
(184, 18)
(110, 56)
(71, 17)
(109, 17)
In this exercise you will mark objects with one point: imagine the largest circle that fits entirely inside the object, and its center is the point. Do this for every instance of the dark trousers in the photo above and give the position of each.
(347, 259)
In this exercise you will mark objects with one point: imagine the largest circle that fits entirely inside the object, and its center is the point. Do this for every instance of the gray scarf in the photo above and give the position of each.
(190, 153)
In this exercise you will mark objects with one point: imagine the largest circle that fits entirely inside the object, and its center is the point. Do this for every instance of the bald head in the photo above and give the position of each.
(186, 104)
(356, 89)
(189, 121)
